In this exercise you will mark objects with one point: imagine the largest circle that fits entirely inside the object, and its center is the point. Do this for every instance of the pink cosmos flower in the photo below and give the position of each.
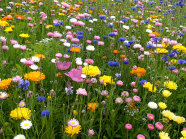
(13, 42)
(132, 84)
(63, 65)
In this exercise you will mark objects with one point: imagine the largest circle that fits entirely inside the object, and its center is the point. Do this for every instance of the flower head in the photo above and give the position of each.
(170, 85)
(19, 113)
(73, 130)
(26, 124)
(35, 76)
(73, 123)
(92, 106)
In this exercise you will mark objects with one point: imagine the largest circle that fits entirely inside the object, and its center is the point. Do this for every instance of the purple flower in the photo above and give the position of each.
(75, 74)
(63, 65)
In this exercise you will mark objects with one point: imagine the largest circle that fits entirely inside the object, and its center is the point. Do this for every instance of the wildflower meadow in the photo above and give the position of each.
(92, 69)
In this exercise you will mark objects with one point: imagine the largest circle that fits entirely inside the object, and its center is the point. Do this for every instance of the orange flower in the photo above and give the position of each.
(115, 51)
(90, 11)
(80, 3)
(155, 33)
(75, 49)
(104, 57)
(19, 16)
(92, 106)
(122, 56)
(138, 71)
(40, 56)
(7, 18)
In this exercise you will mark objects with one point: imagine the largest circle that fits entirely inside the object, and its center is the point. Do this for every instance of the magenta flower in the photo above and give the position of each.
(150, 116)
(150, 127)
(75, 75)
(63, 65)
(159, 126)
(128, 126)
(140, 136)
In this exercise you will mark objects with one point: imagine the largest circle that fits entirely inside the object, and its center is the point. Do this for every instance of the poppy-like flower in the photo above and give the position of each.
(92, 106)
(63, 65)
(75, 74)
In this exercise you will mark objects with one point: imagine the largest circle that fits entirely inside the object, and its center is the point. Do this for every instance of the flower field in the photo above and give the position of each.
(98, 69)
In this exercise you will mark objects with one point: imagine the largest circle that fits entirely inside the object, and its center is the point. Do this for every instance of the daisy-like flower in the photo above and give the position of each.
(20, 136)
(170, 85)
(26, 124)
(73, 123)
(3, 95)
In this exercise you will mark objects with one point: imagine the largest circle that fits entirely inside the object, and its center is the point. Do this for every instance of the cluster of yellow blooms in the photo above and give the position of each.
(4, 84)
(179, 48)
(19, 113)
(183, 134)
(150, 87)
(170, 85)
(91, 70)
(164, 135)
(171, 116)
(106, 79)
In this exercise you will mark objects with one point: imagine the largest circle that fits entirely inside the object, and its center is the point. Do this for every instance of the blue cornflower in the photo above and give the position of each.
(118, 75)
(45, 113)
(142, 82)
(171, 68)
(150, 46)
(113, 64)
(24, 84)
(41, 98)
(111, 34)
(181, 61)
(165, 58)
(121, 39)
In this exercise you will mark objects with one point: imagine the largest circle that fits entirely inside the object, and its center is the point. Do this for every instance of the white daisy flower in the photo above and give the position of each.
(26, 124)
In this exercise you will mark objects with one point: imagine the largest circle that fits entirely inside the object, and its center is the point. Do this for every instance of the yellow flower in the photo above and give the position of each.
(24, 35)
(8, 29)
(150, 87)
(168, 114)
(48, 26)
(183, 133)
(170, 85)
(91, 70)
(162, 50)
(92, 106)
(73, 130)
(19, 113)
(40, 56)
(61, 14)
(49, 97)
(165, 44)
(179, 119)
(4, 84)
(174, 61)
(75, 112)
(3, 23)
(162, 105)
(179, 48)
(164, 135)
(35, 76)
(106, 79)
(166, 93)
